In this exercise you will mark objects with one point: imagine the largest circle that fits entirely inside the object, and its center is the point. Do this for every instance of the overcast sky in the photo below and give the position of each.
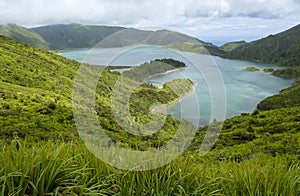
(216, 21)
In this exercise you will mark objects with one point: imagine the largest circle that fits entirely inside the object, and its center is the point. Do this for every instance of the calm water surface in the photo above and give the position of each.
(243, 89)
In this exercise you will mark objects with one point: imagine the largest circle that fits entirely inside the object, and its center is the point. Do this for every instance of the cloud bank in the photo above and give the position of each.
(195, 17)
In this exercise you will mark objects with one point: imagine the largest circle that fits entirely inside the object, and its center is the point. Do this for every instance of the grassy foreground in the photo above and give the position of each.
(69, 169)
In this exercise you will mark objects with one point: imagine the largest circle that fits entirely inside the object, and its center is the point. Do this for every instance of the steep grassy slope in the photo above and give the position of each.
(24, 35)
(73, 36)
(280, 49)
(35, 88)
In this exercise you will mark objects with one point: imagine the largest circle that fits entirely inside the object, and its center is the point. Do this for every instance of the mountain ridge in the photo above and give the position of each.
(162, 37)
(74, 36)
(280, 49)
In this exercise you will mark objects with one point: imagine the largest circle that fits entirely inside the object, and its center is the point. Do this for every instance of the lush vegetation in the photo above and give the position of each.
(281, 49)
(24, 35)
(256, 154)
(154, 67)
(288, 97)
(36, 91)
(172, 62)
(274, 132)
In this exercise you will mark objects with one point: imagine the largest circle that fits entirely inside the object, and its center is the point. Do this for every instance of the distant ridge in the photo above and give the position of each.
(280, 49)
(165, 38)
(72, 36)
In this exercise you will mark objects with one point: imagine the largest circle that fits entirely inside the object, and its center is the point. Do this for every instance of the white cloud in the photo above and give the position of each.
(245, 8)
(190, 16)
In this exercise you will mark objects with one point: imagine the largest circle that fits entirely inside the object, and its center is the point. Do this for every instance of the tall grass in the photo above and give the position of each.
(70, 169)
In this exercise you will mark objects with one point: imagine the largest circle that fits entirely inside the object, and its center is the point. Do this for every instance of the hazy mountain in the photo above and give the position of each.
(280, 49)
(166, 38)
(125, 37)
(73, 36)
(23, 34)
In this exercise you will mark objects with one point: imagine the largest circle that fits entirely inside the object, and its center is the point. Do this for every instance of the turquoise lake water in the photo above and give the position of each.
(223, 89)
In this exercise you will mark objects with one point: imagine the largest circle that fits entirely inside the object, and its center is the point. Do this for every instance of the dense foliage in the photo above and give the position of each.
(288, 97)
(281, 49)
(172, 62)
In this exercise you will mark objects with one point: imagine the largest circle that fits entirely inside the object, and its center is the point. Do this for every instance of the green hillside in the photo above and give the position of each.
(36, 88)
(231, 46)
(281, 49)
(40, 105)
(41, 153)
(74, 36)
(288, 97)
(24, 35)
